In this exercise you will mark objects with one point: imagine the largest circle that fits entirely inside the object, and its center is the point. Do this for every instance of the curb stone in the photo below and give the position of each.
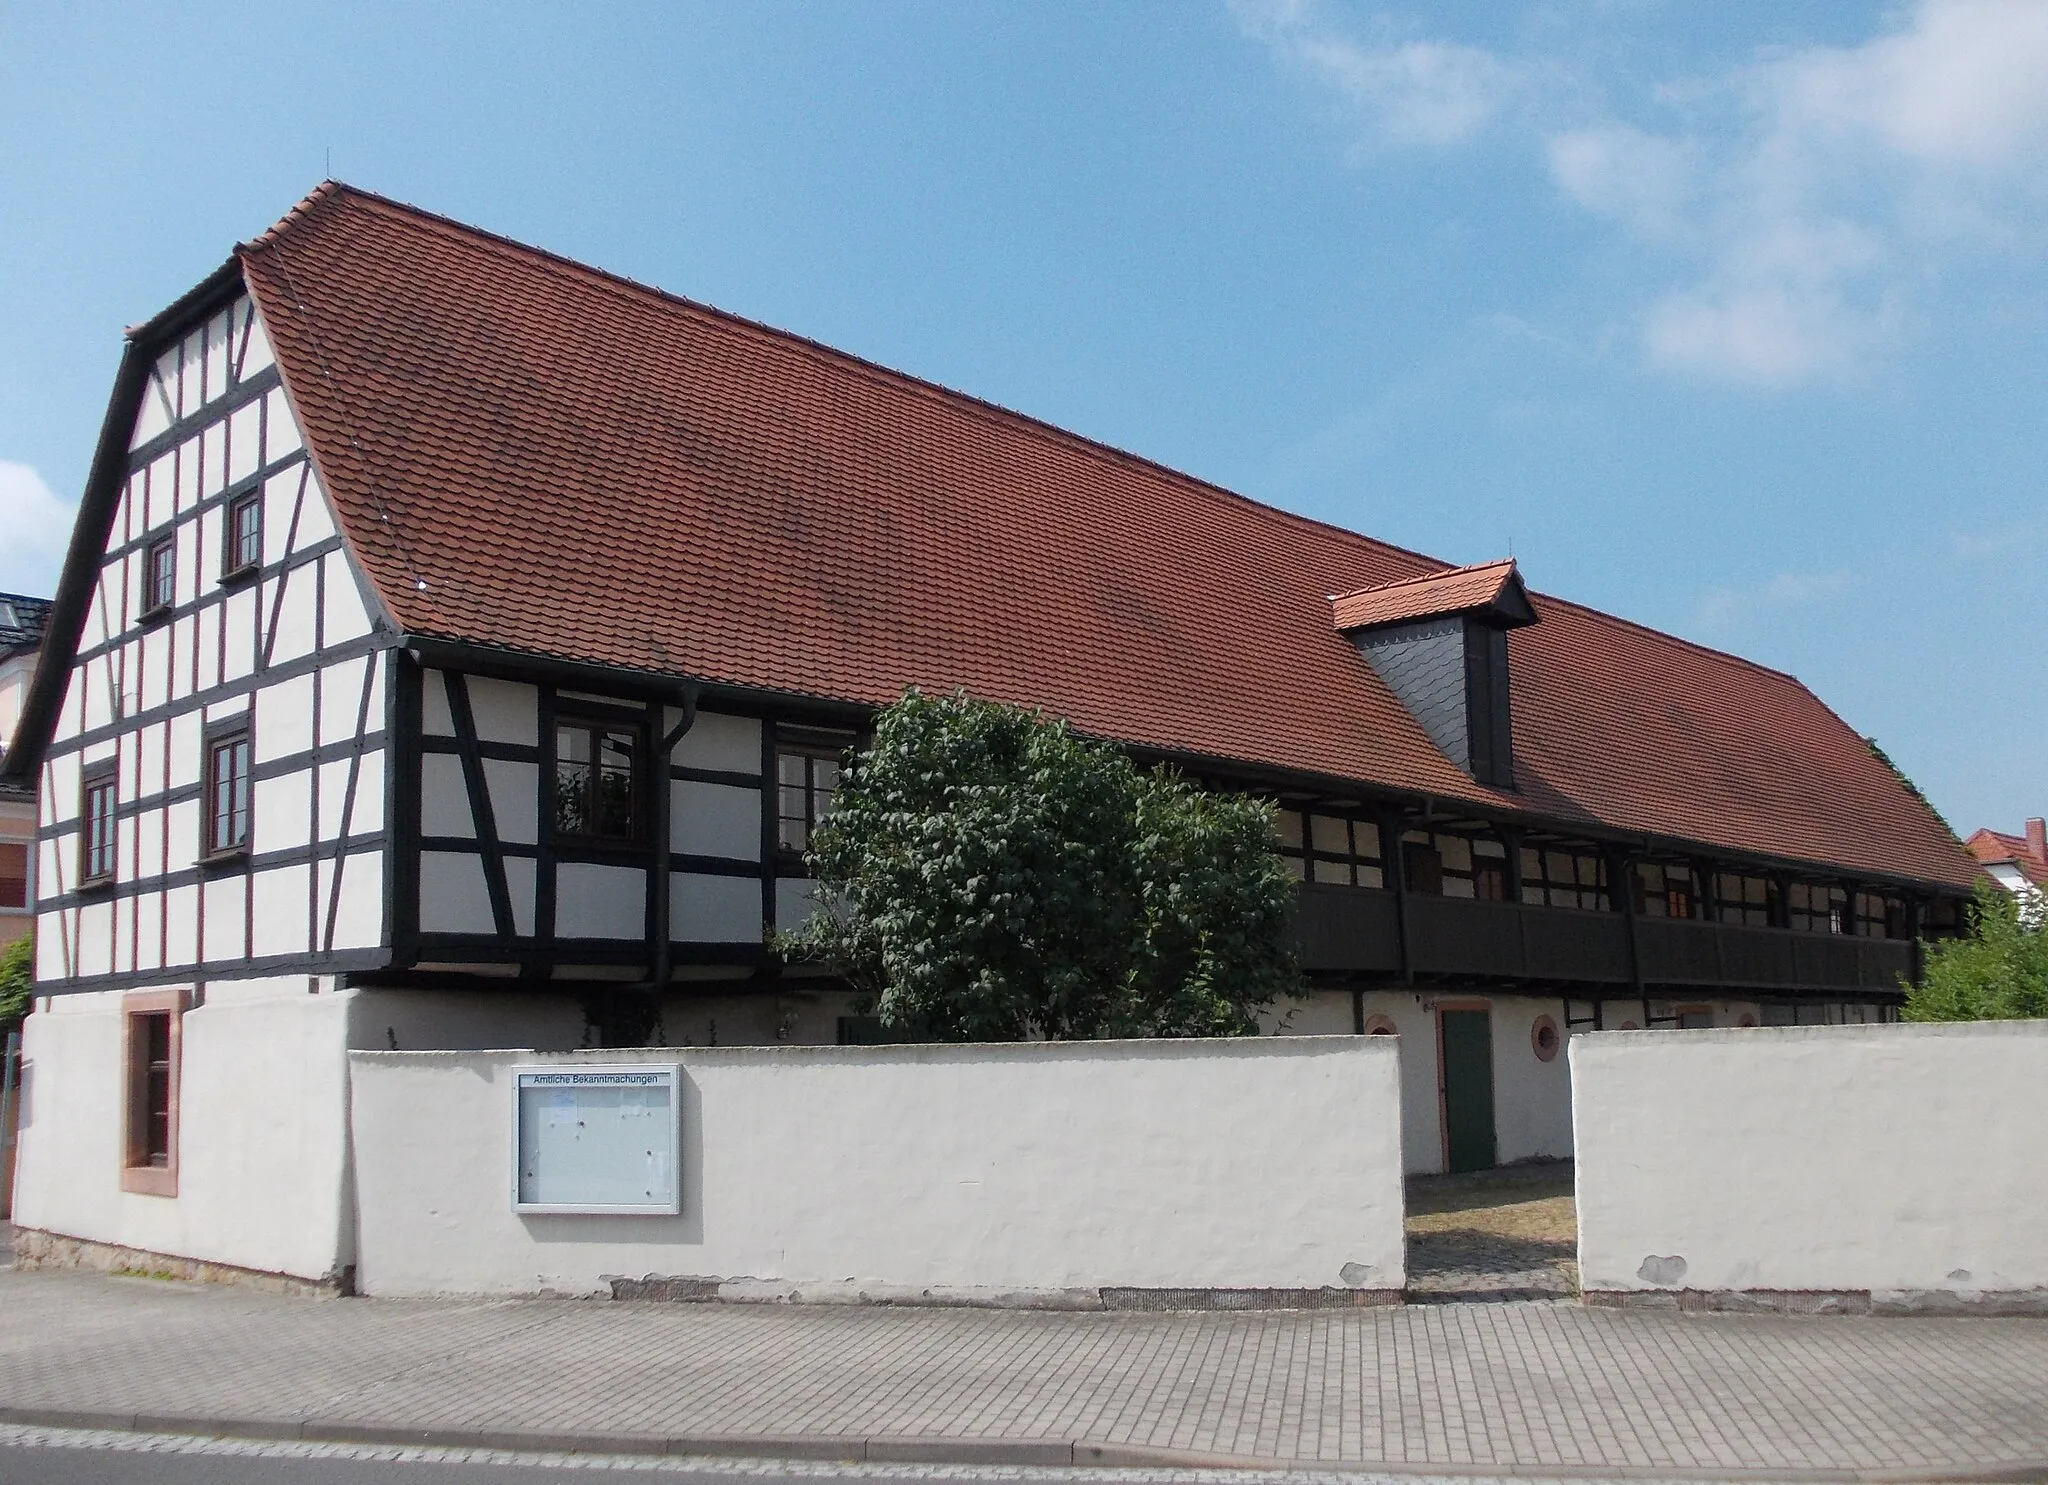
(882, 1449)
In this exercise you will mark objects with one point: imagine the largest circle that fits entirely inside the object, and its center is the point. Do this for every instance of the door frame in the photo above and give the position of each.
(1443, 1099)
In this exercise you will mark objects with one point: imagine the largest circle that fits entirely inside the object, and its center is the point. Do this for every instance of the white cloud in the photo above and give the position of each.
(1642, 180)
(1724, 608)
(1429, 93)
(35, 529)
(1965, 85)
(1789, 215)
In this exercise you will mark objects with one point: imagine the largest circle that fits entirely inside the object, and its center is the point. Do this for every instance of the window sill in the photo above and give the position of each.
(240, 576)
(150, 1180)
(96, 884)
(232, 856)
(149, 618)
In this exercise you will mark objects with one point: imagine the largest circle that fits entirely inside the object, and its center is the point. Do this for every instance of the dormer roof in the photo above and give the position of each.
(1490, 592)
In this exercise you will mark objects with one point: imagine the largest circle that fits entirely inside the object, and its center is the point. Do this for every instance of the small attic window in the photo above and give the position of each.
(1440, 642)
(8, 618)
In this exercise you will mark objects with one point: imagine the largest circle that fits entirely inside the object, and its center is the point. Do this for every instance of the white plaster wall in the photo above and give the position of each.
(790, 1017)
(261, 1131)
(1415, 1034)
(593, 901)
(1532, 1099)
(716, 741)
(1814, 1158)
(465, 1020)
(962, 1168)
(714, 909)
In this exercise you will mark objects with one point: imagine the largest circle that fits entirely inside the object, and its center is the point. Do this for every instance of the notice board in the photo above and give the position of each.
(597, 1139)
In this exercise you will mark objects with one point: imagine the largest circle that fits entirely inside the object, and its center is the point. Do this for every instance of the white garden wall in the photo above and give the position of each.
(261, 1133)
(1908, 1163)
(1043, 1171)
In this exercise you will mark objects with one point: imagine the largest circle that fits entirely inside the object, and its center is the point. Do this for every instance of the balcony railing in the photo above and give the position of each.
(1359, 930)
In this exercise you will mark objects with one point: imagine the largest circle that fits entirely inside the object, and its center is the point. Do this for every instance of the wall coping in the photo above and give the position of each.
(926, 1053)
(1871, 1031)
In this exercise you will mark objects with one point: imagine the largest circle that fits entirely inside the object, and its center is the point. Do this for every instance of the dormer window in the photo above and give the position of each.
(1440, 642)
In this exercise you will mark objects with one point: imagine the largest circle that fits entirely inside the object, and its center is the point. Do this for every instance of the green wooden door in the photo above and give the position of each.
(1468, 1089)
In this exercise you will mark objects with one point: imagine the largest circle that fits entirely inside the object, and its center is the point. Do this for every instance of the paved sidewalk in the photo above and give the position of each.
(1504, 1386)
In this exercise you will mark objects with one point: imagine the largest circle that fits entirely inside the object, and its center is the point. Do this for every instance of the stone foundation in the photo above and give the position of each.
(34, 1248)
(1825, 1301)
(699, 1289)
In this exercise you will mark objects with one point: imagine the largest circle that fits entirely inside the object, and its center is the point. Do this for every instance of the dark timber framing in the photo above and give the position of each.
(1723, 959)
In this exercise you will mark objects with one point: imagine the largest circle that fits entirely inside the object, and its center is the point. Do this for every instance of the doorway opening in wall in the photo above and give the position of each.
(1511, 1233)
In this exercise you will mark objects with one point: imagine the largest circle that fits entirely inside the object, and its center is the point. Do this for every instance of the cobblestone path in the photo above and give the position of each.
(1508, 1234)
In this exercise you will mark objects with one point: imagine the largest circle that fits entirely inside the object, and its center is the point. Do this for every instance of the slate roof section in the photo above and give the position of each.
(530, 454)
(22, 620)
(1488, 586)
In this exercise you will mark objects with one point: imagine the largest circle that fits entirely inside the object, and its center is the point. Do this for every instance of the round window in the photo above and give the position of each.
(1543, 1037)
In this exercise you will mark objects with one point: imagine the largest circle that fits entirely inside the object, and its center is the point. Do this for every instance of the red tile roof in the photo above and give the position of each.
(1457, 591)
(1995, 847)
(528, 453)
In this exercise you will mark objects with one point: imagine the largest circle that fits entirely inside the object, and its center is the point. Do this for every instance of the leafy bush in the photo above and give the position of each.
(1998, 973)
(17, 980)
(991, 876)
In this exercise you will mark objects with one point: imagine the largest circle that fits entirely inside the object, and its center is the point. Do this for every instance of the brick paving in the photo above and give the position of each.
(1486, 1386)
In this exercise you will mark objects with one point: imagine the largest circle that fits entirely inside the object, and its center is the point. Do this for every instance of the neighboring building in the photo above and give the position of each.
(21, 638)
(460, 644)
(2018, 863)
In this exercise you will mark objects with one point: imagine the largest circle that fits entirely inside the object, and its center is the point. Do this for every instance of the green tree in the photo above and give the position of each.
(1997, 973)
(991, 876)
(17, 981)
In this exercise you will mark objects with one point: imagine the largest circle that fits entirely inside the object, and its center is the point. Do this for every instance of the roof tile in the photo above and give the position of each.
(525, 452)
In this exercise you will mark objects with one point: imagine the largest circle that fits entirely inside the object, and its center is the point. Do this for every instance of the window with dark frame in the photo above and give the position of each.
(598, 781)
(161, 576)
(242, 538)
(96, 827)
(1879, 916)
(1817, 907)
(1422, 865)
(1558, 875)
(1450, 864)
(1941, 917)
(227, 792)
(806, 778)
(1331, 848)
(149, 1156)
(1665, 889)
(149, 1142)
(13, 874)
(1745, 899)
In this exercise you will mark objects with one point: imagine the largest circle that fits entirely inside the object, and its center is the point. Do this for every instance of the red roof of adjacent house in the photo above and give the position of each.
(528, 453)
(1458, 591)
(1996, 848)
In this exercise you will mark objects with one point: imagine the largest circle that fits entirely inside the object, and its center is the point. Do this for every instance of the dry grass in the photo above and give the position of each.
(1530, 1202)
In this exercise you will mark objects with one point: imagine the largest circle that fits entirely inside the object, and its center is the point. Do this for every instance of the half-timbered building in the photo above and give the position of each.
(458, 645)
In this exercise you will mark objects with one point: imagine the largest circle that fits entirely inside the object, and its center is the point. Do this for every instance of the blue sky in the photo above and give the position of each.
(1728, 318)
